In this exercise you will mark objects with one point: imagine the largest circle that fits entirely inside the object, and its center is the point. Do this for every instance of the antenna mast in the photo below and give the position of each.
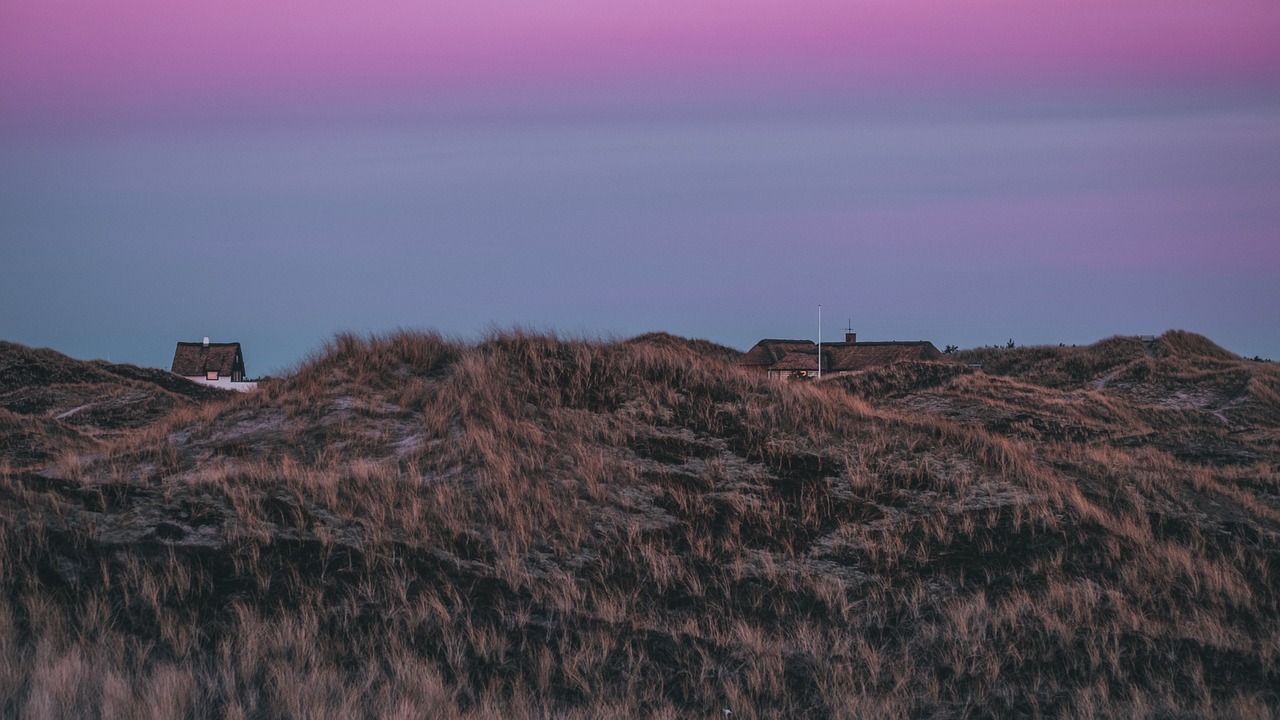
(819, 341)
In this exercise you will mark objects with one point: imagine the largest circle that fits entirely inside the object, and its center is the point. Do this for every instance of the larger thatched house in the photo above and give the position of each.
(217, 364)
(799, 358)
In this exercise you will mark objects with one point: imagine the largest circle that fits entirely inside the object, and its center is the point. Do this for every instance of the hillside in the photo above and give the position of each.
(51, 404)
(532, 526)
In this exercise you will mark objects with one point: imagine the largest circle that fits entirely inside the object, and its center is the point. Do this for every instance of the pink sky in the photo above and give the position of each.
(1074, 154)
(69, 54)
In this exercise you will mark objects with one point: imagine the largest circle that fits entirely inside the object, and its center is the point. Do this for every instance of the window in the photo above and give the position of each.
(211, 375)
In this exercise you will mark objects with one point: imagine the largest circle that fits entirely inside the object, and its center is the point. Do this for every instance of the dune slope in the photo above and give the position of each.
(534, 526)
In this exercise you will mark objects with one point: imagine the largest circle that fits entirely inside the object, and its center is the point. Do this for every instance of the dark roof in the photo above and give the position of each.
(769, 352)
(844, 357)
(837, 356)
(193, 359)
(797, 360)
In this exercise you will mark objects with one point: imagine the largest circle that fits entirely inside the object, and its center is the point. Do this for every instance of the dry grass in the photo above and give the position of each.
(534, 526)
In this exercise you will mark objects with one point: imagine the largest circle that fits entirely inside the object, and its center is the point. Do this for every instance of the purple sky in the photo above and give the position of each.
(964, 172)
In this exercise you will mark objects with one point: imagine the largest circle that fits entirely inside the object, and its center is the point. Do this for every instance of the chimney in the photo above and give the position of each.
(206, 342)
(851, 337)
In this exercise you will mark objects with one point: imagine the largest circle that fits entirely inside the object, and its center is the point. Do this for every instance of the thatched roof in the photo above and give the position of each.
(845, 357)
(769, 352)
(791, 355)
(196, 359)
(798, 360)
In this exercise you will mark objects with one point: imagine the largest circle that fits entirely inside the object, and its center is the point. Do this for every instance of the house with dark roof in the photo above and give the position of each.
(209, 363)
(799, 358)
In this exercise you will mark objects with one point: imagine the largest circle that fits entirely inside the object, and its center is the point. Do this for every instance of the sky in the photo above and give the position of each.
(961, 171)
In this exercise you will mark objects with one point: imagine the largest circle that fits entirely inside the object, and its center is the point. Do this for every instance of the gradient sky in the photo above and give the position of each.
(965, 172)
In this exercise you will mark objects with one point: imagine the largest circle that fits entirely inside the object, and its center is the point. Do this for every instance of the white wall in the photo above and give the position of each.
(225, 383)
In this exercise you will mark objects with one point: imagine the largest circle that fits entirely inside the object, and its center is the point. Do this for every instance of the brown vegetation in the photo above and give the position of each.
(532, 526)
(52, 405)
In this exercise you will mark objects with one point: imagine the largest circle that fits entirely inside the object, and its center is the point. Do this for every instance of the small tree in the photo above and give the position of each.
(1009, 345)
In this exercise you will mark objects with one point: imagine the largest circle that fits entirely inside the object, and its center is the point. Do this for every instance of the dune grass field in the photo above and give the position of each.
(533, 526)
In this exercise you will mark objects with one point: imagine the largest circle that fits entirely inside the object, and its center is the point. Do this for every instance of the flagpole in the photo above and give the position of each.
(819, 341)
